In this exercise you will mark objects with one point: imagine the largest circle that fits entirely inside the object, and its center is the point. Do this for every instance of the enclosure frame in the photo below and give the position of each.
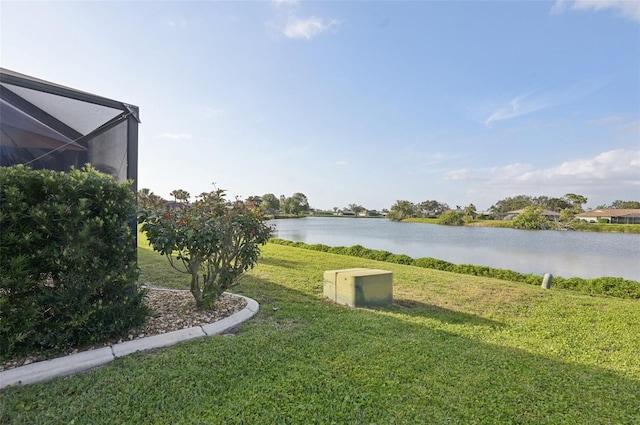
(125, 113)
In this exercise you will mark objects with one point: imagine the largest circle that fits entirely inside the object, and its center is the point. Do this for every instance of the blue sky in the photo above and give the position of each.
(358, 102)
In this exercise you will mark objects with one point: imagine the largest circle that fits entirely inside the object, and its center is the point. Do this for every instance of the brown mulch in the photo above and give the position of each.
(171, 310)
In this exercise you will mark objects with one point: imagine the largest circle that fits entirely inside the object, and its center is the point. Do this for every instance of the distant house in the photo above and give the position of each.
(432, 214)
(611, 215)
(510, 215)
(175, 205)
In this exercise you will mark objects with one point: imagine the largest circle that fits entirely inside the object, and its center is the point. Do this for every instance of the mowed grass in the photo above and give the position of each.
(452, 349)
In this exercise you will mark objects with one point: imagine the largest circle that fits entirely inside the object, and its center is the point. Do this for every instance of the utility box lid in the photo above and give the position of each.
(359, 287)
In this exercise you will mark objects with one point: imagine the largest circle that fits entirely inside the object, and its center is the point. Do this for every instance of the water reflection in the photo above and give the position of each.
(567, 254)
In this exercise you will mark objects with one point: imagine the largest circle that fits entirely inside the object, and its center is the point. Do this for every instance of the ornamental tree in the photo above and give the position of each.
(212, 239)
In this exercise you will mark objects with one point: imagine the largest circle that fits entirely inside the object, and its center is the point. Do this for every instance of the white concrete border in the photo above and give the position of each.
(86, 360)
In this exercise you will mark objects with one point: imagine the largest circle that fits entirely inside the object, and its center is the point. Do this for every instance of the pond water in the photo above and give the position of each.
(566, 254)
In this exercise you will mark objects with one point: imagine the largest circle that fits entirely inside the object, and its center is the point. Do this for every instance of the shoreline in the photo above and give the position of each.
(502, 224)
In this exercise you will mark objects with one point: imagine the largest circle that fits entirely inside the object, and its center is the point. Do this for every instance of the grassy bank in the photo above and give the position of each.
(452, 349)
(611, 286)
(581, 227)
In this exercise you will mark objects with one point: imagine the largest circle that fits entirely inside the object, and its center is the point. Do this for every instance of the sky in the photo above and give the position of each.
(357, 102)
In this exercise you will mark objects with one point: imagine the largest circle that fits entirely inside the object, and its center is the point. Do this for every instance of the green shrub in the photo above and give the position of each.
(342, 250)
(451, 218)
(380, 255)
(67, 259)
(400, 259)
(434, 263)
(358, 251)
(531, 219)
(319, 247)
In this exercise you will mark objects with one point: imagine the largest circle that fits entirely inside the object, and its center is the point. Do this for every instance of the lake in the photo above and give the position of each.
(566, 254)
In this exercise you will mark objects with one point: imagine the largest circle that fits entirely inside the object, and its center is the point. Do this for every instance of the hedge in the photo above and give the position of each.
(68, 273)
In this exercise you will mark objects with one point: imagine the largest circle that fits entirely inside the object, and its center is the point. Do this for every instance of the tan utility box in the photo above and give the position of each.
(359, 287)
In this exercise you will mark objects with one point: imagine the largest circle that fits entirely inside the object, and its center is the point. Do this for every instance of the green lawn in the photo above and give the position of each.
(452, 349)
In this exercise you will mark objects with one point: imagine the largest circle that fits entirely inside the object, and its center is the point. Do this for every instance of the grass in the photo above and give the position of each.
(452, 349)
(583, 227)
(155, 268)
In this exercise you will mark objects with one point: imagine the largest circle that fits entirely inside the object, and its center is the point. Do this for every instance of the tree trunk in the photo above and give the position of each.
(196, 291)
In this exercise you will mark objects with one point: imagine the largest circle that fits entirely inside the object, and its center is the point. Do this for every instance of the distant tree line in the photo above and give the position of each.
(567, 206)
(430, 209)
(569, 201)
(620, 205)
(298, 204)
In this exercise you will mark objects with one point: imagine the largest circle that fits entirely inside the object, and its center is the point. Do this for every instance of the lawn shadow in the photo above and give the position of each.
(278, 262)
(414, 308)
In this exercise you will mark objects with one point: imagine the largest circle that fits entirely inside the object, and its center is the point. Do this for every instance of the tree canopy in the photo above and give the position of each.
(570, 200)
(400, 210)
(295, 204)
(619, 204)
(531, 219)
(270, 202)
(180, 195)
(431, 208)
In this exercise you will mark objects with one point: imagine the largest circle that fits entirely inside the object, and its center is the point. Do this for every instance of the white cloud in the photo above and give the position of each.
(340, 163)
(510, 170)
(617, 167)
(295, 27)
(494, 174)
(536, 100)
(175, 136)
(629, 9)
(309, 28)
(558, 7)
(461, 175)
(518, 106)
(602, 178)
(286, 3)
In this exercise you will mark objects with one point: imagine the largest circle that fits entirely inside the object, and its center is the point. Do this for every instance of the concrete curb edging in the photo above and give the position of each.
(86, 360)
